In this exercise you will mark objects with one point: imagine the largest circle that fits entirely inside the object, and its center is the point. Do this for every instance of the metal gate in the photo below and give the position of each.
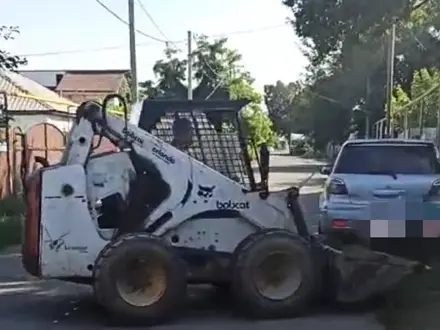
(43, 139)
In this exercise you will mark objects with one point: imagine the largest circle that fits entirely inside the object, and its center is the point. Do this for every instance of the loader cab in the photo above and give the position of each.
(210, 131)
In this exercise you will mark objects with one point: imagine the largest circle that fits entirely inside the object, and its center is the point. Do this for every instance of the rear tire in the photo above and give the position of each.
(139, 279)
(274, 275)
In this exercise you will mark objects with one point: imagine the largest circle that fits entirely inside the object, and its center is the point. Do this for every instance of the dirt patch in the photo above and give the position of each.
(415, 304)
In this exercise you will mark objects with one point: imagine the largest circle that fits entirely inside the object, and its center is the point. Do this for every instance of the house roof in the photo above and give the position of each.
(96, 81)
(41, 98)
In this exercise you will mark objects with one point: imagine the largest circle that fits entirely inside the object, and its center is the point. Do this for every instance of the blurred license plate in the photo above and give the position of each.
(387, 218)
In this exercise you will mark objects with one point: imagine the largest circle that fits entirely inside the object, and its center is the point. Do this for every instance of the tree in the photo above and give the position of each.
(8, 61)
(219, 74)
(421, 104)
(346, 41)
(278, 99)
(169, 72)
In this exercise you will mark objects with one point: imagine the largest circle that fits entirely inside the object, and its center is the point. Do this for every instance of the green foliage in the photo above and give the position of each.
(346, 44)
(169, 72)
(259, 126)
(11, 221)
(422, 101)
(278, 99)
(298, 148)
(400, 99)
(219, 73)
(8, 61)
(11, 206)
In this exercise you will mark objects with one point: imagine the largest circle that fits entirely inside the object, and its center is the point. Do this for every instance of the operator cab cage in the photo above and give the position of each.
(209, 131)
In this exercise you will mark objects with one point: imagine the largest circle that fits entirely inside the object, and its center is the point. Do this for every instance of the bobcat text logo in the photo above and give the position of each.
(231, 205)
(131, 135)
(162, 155)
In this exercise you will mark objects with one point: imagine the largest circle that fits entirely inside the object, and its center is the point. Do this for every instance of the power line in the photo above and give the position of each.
(119, 18)
(207, 64)
(80, 51)
(217, 35)
(249, 31)
(412, 34)
(150, 17)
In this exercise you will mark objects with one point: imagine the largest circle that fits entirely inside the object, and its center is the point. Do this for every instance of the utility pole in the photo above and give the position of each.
(421, 117)
(367, 108)
(437, 138)
(390, 77)
(133, 67)
(190, 89)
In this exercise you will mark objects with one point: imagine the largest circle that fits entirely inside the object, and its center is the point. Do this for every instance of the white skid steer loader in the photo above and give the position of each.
(178, 203)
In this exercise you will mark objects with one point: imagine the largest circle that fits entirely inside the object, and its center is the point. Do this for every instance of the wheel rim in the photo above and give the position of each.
(142, 283)
(277, 276)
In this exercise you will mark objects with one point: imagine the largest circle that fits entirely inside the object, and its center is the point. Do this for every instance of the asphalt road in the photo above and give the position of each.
(29, 304)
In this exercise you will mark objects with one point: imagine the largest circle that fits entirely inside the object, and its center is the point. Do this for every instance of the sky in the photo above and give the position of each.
(80, 34)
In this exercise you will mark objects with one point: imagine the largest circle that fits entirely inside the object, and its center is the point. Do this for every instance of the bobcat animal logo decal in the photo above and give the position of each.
(205, 192)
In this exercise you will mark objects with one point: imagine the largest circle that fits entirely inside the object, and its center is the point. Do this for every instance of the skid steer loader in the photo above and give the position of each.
(178, 203)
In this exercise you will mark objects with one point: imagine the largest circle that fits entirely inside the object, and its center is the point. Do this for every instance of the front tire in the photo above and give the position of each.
(274, 276)
(140, 279)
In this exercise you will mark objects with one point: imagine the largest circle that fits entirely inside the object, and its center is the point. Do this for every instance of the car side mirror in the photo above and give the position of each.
(326, 170)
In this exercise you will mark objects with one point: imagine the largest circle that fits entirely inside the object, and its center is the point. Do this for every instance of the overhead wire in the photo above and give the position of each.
(174, 42)
(412, 34)
(119, 18)
(152, 20)
(166, 40)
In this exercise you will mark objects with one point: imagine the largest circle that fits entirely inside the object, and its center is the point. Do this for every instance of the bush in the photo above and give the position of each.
(11, 206)
(300, 148)
(10, 231)
(11, 221)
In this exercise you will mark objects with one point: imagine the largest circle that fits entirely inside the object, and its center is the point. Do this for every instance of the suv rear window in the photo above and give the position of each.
(398, 159)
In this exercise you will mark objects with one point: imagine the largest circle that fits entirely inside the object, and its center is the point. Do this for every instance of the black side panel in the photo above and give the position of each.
(147, 191)
(211, 214)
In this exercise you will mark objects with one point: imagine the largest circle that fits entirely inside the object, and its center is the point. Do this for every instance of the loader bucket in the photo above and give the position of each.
(361, 273)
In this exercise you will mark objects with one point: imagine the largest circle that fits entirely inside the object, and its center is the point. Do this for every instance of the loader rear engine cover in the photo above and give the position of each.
(175, 201)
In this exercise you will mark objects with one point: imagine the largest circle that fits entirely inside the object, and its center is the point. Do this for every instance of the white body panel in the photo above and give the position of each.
(71, 221)
(69, 239)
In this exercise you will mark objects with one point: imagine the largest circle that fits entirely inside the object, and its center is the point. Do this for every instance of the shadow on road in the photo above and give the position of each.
(316, 181)
(206, 307)
(303, 168)
(43, 305)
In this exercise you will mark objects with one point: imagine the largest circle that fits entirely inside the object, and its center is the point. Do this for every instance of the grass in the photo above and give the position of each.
(11, 220)
(415, 304)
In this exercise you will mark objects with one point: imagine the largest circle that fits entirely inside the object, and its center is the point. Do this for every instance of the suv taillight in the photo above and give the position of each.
(336, 187)
(31, 234)
(434, 192)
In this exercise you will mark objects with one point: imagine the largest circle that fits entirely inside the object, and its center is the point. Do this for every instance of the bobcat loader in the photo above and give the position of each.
(177, 202)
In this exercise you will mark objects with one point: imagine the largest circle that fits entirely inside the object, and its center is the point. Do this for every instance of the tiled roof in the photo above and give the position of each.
(13, 84)
(96, 82)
